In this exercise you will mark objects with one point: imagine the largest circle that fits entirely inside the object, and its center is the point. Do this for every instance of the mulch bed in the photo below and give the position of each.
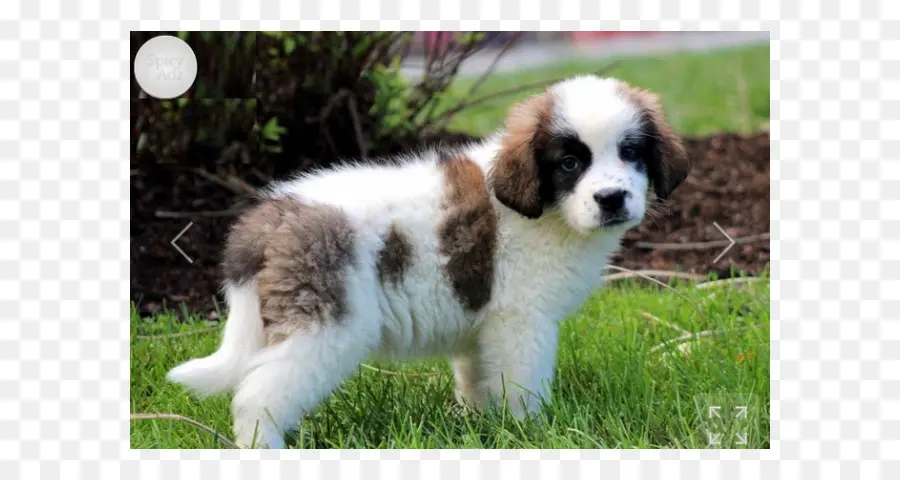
(729, 186)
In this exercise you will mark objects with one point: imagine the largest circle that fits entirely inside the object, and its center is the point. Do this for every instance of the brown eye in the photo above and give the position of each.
(628, 153)
(570, 163)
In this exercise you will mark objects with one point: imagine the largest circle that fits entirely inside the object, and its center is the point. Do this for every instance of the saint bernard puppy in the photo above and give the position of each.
(475, 254)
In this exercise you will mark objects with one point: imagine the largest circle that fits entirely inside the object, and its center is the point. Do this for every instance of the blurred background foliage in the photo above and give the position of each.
(268, 103)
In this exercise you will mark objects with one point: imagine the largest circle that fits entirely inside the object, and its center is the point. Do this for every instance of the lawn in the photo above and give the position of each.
(702, 93)
(623, 380)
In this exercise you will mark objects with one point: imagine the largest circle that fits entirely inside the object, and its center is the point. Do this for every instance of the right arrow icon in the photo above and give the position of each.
(726, 248)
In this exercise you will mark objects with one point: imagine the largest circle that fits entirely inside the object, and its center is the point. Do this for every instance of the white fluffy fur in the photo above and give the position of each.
(545, 268)
(242, 338)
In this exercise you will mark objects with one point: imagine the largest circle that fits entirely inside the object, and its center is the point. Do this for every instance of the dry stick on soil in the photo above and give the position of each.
(182, 418)
(664, 322)
(694, 336)
(701, 245)
(164, 336)
(728, 281)
(208, 214)
(654, 273)
(401, 374)
(664, 285)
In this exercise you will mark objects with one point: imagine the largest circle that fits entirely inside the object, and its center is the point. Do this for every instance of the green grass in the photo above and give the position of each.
(611, 390)
(702, 93)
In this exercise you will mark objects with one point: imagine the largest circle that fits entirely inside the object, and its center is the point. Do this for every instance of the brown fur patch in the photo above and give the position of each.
(468, 232)
(395, 257)
(514, 175)
(246, 243)
(672, 164)
(305, 251)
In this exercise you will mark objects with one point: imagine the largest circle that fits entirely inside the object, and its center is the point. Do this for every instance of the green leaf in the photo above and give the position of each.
(289, 45)
(272, 130)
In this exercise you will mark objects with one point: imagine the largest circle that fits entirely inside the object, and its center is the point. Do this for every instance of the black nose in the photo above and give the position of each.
(611, 199)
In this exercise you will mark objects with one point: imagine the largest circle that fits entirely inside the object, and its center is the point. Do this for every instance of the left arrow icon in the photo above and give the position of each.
(176, 239)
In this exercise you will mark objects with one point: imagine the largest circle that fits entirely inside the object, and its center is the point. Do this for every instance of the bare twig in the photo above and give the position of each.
(216, 304)
(260, 175)
(405, 42)
(664, 285)
(654, 273)
(240, 183)
(701, 186)
(434, 83)
(207, 214)
(490, 70)
(142, 142)
(431, 45)
(694, 336)
(239, 187)
(166, 336)
(357, 126)
(729, 281)
(664, 322)
(401, 374)
(701, 245)
(326, 110)
(445, 117)
(182, 418)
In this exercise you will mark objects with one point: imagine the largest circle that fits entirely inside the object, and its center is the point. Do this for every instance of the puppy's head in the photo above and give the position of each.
(593, 149)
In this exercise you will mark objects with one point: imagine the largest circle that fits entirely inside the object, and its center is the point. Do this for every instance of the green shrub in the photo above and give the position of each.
(290, 101)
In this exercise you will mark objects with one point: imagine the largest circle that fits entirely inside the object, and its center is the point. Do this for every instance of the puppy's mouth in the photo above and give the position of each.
(616, 221)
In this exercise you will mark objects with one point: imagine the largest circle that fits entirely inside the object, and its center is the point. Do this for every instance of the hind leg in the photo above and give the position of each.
(286, 380)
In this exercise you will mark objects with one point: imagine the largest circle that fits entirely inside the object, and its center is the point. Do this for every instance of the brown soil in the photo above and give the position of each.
(729, 185)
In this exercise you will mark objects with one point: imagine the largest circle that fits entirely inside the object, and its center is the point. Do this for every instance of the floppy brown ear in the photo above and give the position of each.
(514, 175)
(674, 163)
(671, 164)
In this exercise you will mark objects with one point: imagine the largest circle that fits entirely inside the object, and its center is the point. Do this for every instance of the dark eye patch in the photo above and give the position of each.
(635, 148)
(562, 162)
(560, 148)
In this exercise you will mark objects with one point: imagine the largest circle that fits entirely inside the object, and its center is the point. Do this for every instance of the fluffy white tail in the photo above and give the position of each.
(243, 337)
